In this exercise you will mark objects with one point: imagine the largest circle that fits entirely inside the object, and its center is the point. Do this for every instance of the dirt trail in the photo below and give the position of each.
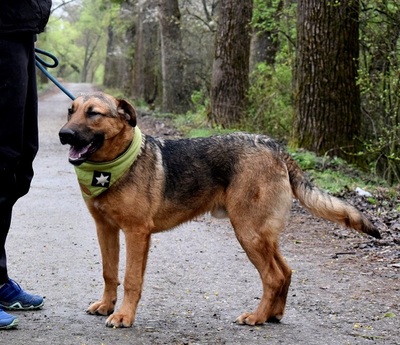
(345, 288)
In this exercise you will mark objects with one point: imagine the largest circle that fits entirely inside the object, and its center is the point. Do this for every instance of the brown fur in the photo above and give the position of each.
(247, 178)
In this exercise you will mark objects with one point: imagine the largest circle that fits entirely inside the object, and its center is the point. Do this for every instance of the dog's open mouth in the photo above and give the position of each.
(79, 154)
(82, 144)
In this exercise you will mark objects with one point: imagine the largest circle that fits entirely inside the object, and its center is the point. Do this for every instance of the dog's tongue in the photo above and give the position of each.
(76, 153)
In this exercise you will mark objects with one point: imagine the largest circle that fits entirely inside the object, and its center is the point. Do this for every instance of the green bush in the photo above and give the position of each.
(380, 88)
(270, 101)
(195, 122)
(333, 174)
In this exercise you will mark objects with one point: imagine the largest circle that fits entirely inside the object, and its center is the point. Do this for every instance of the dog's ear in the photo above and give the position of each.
(127, 111)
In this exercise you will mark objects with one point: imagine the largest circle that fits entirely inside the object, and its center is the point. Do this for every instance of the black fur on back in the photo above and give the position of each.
(194, 166)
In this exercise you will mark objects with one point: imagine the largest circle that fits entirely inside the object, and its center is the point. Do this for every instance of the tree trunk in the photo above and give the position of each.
(174, 97)
(147, 54)
(111, 75)
(264, 46)
(265, 42)
(120, 44)
(327, 98)
(91, 43)
(230, 76)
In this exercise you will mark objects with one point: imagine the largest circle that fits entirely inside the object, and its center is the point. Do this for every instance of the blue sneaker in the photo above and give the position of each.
(12, 297)
(7, 321)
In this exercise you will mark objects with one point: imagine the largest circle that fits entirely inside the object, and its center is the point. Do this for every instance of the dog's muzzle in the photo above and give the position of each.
(67, 136)
(83, 145)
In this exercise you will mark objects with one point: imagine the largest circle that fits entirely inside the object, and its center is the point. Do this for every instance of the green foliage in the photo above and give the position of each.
(77, 36)
(264, 13)
(307, 160)
(335, 181)
(379, 81)
(206, 132)
(201, 102)
(195, 122)
(270, 108)
(384, 153)
(334, 174)
(270, 101)
(275, 16)
(60, 39)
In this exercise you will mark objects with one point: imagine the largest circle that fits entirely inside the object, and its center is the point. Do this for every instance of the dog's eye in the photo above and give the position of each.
(92, 113)
(70, 112)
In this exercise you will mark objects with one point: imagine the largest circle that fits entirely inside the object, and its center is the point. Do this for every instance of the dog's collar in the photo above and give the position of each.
(96, 177)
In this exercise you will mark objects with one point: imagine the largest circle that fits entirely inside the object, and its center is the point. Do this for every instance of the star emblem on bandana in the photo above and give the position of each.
(101, 179)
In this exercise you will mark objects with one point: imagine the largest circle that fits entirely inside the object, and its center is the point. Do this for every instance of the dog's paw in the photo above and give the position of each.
(250, 319)
(119, 320)
(100, 308)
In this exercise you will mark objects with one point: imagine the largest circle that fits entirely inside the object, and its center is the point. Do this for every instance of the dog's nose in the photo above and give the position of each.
(66, 135)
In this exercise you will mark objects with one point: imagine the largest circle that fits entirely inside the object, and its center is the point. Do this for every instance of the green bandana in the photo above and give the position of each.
(96, 177)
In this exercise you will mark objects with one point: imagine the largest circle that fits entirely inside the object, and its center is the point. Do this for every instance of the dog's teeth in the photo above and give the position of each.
(75, 153)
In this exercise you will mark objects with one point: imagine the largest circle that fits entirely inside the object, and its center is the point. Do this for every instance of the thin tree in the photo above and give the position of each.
(120, 45)
(174, 97)
(147, 53)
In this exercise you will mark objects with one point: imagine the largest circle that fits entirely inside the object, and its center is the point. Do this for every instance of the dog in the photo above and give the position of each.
(142, 185)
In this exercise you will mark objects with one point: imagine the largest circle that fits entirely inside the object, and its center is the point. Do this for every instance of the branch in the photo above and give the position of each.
(64, 2)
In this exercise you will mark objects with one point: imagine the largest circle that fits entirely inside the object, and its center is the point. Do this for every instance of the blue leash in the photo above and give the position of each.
(40, 63)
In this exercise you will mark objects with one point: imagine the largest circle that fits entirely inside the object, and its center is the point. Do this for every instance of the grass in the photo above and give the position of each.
(194, 125)
(335, 175)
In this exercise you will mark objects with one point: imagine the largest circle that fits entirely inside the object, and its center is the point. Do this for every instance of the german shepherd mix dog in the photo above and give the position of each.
(143, 185)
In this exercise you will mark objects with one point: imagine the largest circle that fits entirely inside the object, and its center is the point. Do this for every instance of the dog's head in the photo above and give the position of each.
(95, 122)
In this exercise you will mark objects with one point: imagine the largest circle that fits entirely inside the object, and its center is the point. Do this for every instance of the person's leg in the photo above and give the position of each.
(30, 144)
(18, 147)
(13, 93)
(5, 220)
(18, 127)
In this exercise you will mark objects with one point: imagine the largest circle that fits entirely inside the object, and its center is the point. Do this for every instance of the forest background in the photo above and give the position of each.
(321, 75)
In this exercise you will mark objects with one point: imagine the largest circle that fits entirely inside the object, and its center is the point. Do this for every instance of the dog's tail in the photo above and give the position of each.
(324, 205)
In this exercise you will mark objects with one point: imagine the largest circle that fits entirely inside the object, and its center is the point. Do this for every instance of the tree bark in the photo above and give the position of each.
(146, 73)
(230, 76)
(174, 98)
(120, 44)
(111, 75)
(327, 98)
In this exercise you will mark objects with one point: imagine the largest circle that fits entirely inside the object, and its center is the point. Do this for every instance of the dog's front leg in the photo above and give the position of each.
(108, 237)
(137, 248)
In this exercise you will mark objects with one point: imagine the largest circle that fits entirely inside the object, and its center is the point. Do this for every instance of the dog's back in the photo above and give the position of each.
(207, 163)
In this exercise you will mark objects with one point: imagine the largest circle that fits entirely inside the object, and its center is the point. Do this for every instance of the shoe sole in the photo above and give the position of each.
(18, 306)
(12, 325)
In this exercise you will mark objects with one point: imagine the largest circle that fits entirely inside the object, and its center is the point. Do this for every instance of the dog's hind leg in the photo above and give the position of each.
(275, 275)
(258, 223)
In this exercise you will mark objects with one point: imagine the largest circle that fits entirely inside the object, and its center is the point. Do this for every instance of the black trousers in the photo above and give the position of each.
(18, 128)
